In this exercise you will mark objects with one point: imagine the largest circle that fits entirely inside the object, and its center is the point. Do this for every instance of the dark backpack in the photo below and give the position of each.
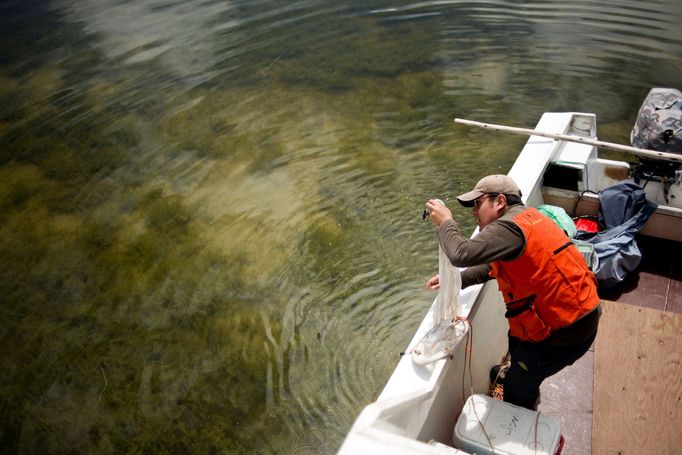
(623, 211)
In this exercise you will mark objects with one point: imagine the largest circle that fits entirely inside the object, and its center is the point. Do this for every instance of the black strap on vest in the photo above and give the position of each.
(517, 307)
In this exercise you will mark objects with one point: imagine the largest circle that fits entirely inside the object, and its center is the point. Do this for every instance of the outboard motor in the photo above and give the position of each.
(659, 127)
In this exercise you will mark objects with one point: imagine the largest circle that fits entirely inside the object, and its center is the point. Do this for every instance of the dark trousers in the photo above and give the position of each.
(532, 363)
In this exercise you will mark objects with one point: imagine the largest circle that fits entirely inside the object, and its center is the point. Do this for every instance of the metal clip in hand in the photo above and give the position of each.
(426, 213)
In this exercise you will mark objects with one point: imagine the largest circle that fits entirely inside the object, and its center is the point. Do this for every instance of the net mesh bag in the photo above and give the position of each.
(440, 341)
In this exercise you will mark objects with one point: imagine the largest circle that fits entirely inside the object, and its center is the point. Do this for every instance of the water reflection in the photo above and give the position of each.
(210, 230)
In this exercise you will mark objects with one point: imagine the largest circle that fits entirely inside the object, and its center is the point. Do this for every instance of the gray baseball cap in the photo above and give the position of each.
(490, 184)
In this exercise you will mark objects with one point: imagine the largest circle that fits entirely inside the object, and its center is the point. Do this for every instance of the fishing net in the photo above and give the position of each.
(441, 340)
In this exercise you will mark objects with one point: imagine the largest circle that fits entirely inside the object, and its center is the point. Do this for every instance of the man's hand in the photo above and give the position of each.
(438, 212)
(434, 282)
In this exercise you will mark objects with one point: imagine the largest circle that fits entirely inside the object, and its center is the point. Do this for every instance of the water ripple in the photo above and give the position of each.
(239, 185)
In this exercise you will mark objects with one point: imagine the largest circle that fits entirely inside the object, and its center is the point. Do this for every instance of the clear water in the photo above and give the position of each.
(210, 226)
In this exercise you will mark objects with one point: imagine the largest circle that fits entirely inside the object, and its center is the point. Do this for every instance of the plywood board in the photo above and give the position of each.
(637, 381)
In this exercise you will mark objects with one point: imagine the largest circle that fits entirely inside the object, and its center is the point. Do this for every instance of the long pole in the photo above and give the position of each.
(582, 140)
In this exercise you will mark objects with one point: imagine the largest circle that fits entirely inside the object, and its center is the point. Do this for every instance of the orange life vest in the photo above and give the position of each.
(549, 286)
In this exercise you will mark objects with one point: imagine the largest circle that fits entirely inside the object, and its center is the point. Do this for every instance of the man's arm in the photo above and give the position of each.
(500, 240)
(475, 275)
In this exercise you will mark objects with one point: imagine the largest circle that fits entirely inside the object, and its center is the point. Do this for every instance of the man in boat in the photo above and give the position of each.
(549, 292)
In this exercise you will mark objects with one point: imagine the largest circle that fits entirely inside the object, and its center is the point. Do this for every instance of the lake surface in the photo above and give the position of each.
(210, 226)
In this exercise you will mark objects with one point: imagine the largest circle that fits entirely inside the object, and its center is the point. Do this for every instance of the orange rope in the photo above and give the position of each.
(468, 354)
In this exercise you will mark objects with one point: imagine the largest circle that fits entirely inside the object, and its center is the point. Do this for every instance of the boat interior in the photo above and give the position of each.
(584, 396)
(605, 400)
(621, 366)
(583, 403)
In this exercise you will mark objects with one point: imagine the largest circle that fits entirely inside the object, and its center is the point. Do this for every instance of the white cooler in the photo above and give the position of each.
(512, 430)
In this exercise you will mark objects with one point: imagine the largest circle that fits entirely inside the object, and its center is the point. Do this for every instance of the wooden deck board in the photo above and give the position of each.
(637, 381)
